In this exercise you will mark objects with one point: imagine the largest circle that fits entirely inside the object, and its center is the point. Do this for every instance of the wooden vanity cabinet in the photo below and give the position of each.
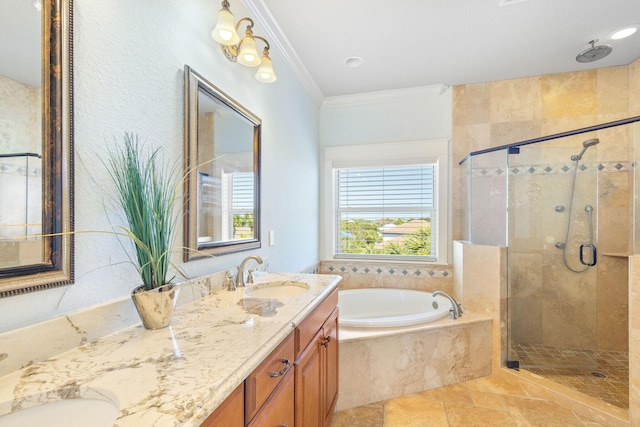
(317, 365)
(230, 413)
(279, 409)
(262, 382)
(296, 385)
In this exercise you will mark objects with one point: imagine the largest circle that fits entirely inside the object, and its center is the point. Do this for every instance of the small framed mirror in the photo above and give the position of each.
(222, 165)
(36, 145)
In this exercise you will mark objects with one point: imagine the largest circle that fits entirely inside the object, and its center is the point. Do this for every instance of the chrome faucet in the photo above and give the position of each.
(456, 307)
(230, 282)
(240, 282)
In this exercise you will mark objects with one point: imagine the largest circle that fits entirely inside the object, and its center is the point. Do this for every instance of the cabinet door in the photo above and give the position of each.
(230, 413)
(330, 366)
(308, 384)
(278, 410)
(265, 378)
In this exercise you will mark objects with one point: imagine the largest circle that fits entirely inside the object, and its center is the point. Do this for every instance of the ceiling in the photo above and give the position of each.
(413, 43)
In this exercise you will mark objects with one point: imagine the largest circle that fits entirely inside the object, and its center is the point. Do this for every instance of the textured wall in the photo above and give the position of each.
(129, 59)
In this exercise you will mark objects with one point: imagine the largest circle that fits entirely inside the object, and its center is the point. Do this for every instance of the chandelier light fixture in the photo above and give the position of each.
(243, 50)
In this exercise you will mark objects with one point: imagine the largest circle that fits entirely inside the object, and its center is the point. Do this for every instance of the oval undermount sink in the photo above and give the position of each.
(64, 413)
(283, 289)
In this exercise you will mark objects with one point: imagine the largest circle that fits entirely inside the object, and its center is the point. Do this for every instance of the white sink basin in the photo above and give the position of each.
(64, 413)
(283, 289)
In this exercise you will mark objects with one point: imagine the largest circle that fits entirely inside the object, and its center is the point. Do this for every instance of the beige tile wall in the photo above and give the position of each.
(496, 113)
(384, 367)
(420, 277)
(634, 341)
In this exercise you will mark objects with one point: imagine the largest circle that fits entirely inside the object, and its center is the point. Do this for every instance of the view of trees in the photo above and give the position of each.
(363, 236)
(243, 226)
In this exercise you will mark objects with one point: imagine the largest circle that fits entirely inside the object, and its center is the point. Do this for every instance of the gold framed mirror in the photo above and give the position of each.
(222, 160)
(36, 152)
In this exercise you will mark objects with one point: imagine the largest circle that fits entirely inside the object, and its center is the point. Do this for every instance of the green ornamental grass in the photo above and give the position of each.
(146, 192)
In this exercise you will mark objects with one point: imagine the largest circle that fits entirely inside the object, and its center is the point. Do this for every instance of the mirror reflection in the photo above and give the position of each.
(36, 177)
(20, 133)
(222, 147)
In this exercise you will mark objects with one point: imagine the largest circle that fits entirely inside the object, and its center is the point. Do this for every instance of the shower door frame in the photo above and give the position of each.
(552, 298)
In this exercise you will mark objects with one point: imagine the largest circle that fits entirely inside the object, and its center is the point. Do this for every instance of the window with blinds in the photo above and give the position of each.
(386, 211)
(241, 200)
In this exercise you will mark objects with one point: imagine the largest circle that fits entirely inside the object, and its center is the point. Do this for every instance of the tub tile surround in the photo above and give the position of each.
(382, 363)
(379, 364)
(480, 277)
(362, 274)
(182, 373)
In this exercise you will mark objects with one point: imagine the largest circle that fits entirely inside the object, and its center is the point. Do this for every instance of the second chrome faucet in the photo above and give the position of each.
(240, 280)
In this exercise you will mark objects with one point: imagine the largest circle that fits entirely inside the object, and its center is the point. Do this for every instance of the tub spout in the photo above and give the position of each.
(456, 307)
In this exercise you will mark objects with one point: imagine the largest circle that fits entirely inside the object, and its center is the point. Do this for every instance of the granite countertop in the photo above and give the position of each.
(174, 376)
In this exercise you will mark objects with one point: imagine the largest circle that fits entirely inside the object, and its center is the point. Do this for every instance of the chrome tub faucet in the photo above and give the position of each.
(456, 307)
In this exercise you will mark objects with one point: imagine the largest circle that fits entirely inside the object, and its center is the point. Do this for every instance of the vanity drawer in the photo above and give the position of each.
(308, 328)
(266, 377)
(279, 409)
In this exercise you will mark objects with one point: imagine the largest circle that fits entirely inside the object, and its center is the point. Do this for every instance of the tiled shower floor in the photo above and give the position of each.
(601, 374)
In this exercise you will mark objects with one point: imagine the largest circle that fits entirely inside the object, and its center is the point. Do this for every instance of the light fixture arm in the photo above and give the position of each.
(249, 27)
(264, 40)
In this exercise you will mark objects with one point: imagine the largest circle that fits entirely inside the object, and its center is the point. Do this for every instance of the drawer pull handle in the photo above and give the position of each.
(325, 341)
(283, 370)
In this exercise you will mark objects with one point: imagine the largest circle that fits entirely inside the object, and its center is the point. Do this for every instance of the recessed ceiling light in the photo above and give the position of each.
(624, 32)
(353, 62)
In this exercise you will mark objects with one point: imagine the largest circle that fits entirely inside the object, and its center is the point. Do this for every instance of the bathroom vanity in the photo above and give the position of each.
(297, 384)
(261, 355)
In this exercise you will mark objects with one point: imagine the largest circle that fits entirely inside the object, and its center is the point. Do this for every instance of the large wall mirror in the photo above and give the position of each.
(35, 145)
(222, 160)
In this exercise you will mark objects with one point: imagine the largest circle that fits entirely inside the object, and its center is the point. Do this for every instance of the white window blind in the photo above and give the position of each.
(237, 206)
(242, 192)
(386, 211)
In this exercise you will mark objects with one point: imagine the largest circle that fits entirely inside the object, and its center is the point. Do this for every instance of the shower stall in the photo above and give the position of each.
(20, 209)
(564, 206)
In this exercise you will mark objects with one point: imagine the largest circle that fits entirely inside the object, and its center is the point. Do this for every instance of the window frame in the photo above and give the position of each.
(383, 155)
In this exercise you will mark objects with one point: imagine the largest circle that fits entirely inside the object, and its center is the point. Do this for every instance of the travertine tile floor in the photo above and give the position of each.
(601, 374)
(487, 401)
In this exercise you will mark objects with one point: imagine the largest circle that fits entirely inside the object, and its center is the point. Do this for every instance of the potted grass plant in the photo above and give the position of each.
(145, 192)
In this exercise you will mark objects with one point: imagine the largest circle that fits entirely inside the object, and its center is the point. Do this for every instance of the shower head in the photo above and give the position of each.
(594, 53)
(588, 143)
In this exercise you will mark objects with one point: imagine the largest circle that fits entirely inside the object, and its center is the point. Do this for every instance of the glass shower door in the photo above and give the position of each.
(552, 240)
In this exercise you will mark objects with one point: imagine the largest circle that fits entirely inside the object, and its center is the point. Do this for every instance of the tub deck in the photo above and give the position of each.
(382, 363)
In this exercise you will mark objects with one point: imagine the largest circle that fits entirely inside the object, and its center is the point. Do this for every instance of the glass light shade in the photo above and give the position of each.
(225, 32)
(248, 54)
(624, 33)
(265, 73)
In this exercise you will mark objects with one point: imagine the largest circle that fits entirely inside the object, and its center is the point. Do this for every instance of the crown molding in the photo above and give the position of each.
(263, 16)
(408, 94)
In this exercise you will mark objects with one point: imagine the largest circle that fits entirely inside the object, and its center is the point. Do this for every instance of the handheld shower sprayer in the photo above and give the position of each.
(588, 143)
